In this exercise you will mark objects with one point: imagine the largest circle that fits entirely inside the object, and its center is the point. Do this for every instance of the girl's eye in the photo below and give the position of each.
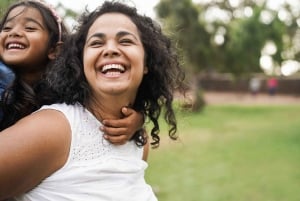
(6, 28)
(29, 28)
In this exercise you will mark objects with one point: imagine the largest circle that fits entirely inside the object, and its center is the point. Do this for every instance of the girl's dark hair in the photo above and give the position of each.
(21, 99)
(69, 85)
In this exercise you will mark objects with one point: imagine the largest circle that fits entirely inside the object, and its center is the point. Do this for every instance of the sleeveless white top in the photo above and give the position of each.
(95, 169)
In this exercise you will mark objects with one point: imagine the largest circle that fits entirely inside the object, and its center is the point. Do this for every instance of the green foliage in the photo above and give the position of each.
(275, 32)
(243, 46)
(237, 153)
(181, 19)
(244, 36)
(4, 4)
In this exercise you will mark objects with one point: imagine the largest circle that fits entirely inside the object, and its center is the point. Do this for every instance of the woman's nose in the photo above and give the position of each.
(111, 49)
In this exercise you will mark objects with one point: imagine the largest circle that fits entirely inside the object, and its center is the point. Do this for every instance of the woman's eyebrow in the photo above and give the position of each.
(119, 34)
(124, 33)
(96, 35)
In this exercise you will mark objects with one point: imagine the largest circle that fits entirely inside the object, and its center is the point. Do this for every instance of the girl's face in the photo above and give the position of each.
(113, 56)
(24, 40)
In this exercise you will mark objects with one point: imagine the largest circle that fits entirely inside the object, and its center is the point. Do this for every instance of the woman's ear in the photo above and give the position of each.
(53, 52)
(145, 69)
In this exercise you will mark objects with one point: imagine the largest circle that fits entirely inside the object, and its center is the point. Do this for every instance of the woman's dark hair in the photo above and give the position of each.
(69, 85)
(21, 99)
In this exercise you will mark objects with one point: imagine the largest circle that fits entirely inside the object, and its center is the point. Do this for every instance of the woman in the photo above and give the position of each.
(116, 57)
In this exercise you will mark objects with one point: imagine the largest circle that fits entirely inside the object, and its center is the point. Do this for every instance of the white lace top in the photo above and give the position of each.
(95, 170)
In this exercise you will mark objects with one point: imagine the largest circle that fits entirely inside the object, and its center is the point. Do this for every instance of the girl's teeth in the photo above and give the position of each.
(15, 45)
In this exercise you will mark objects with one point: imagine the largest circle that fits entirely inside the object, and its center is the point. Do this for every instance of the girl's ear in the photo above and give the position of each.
(53, 52)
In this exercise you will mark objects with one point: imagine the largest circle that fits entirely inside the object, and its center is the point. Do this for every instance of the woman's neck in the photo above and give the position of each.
(108, 108)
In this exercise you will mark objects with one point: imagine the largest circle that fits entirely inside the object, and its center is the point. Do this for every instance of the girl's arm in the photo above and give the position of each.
(31, 150)
(121, 130)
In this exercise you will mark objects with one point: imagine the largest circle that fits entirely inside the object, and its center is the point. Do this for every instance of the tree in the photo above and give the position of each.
(193, 40)
(220, 36)
(246, 31)
(246, 38)
(182, 19)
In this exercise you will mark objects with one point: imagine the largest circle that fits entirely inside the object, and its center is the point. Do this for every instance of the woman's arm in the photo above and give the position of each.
(31, 150)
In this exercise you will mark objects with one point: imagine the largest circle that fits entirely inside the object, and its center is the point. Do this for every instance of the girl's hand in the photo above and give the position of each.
(119, 131)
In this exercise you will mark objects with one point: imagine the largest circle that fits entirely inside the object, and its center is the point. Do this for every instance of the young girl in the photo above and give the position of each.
(31, 35)
(116, 57)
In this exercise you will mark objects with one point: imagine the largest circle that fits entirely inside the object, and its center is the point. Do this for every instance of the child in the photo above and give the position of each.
(31, 35)
(272, 85)
(116, 57)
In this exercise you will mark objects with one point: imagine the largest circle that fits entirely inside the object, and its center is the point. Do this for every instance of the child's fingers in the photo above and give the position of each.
(115, 123)
(126, 111)
(119, 131)
(115, 136)
(132, 120)
(127, 121)
(108, 130)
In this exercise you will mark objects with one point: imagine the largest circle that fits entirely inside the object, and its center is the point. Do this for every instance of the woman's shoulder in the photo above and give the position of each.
(69, 110)
(62, 106)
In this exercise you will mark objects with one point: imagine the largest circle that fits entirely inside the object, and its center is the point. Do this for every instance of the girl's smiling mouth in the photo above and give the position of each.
(15, 45)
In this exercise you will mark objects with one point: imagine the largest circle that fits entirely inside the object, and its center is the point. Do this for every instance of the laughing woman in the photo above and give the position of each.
(116, 57)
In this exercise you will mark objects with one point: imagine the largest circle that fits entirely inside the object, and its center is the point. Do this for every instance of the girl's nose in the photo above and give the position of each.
(14, 32)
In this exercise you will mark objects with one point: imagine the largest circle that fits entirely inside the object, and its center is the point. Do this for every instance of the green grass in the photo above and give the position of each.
(230, 153)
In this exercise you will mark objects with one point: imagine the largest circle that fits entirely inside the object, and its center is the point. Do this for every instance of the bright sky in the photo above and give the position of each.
(146, 6)
(143, 6)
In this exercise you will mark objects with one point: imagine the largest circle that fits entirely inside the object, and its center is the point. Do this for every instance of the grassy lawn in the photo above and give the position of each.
(230, 153)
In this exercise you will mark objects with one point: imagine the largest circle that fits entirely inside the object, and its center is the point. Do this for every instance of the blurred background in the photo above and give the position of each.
(239, 125)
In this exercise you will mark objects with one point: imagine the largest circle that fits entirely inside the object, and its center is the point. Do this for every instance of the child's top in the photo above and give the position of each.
(95, 169)
(6, 77)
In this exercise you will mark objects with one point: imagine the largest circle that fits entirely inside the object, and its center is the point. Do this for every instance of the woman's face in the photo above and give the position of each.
(113, 56)
(24, 39)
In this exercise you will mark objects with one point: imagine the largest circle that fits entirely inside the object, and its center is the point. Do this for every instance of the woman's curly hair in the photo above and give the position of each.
(20, 99)
(68, 83)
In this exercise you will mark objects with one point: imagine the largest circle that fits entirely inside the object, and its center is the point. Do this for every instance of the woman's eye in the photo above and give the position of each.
(96, 43)
(126, 41)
